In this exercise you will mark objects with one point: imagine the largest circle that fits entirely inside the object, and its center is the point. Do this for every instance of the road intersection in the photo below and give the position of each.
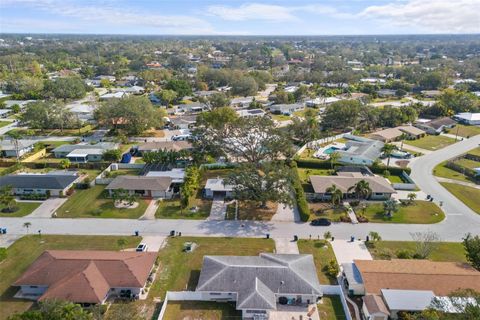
(459, 218)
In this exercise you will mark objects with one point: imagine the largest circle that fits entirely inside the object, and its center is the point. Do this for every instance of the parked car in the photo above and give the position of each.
(142, 247)
(320, 222)
(181, 137)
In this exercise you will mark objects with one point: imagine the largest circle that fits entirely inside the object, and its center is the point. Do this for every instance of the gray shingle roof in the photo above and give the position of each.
(256, 280)
(37, 181)
(140, 183)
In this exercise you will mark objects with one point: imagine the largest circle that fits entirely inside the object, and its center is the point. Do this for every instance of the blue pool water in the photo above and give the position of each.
(330, 150)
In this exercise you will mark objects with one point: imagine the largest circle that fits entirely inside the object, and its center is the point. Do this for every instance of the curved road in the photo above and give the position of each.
(459, 218)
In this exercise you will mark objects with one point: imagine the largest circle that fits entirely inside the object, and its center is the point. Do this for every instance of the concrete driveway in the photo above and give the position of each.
(346, 251)
(48, 207)
(154, 243)
(285, 246)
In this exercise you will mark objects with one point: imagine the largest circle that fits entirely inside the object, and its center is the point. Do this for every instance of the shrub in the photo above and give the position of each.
(34, 196)
(404, 254)
(300, 198)
(332, 268)
(354, 203)
(313, 164)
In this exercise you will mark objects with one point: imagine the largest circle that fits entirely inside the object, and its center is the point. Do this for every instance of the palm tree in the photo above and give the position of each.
(361, 189)
(27, 225)
(337, 194)
(387, 150)
(334, 157)
(390, 206)
(15, 136)
(411, 197)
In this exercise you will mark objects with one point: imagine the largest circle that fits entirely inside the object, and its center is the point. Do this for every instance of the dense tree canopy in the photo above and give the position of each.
(48, 115)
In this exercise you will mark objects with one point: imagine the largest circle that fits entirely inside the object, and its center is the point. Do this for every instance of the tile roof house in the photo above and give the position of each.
(260, 284)
(51, 184)
(86, 277)
(150, 187)
(393, 134)
(381, 188)
(442, 278)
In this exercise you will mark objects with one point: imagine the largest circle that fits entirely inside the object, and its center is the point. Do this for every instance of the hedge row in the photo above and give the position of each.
(300, 198)
(322, 164)
(461, 169)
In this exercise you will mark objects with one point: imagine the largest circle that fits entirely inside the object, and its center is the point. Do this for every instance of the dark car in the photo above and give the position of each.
(320, 222)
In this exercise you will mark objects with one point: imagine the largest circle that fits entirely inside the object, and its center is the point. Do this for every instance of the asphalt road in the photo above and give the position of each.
(459, 218)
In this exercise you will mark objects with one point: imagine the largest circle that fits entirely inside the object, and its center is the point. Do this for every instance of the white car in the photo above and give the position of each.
(181, 137)
(142, 247)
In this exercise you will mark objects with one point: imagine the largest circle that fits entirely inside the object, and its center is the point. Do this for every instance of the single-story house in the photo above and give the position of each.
(149, 187)
(374, 308)
(217, 187)
(286, 108)
(261, 285)
(176, 174)
(241, 102)
(360, 150)
(164, 146)
(85, 277)
(435, 126)
(84, 112)
(442, 278)
(9, 149)
(183, 122)
(386, 93)
(381, 188)
(394, 134)
(134, 90)
(84, 152)
(251, 113)
(194, 107)
(431, 93)
(468, 118)
(114, 95)
(54, 184)
(321, 101)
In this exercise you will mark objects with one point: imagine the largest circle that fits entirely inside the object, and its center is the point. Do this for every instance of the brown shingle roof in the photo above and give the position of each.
(165, 145)
(375, 304)
(140, 183)
(439, 122)
(386, 134)
(440, 277)
(322, 183)
(411, 130)
(87, 276)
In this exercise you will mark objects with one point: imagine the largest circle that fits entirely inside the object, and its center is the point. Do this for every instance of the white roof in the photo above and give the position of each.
(177, 174)
(85, 152)
(469, 116)
(217, 185)
(407, 300)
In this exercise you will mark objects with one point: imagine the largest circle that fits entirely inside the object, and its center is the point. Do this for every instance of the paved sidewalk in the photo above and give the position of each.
(463, 183)
(218, 210)
(47, 208)
(350, 212)
(346, 251)
(285, 246)
(6, 240)
(150, 211)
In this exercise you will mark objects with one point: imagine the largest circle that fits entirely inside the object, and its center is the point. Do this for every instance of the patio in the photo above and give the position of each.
(288, 312)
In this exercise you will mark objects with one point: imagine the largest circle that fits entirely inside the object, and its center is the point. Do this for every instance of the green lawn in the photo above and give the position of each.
(180, 271)
(55, 144)
(442, 171)
(475, 152)
(431, 142)
(467, 163)
(325, 210)
(331, 308)
(467, 195)
(24, 208)
(4, 123)
(395, 179)
(90, 203)
(304, 174)
(202, 310)
(25, 250)
(322, 253)
(465, 131)
(280, 117)
(444, 251)
(171, 209)
(419, 212)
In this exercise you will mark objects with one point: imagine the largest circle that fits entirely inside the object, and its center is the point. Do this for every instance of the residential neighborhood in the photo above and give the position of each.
(179, 168)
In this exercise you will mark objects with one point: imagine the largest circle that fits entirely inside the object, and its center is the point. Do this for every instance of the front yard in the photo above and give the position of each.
(91, 203)
(25, 250)
(322, 253)
(325, 210)
(248, 210)
(171, 209)
(468, 195)
(465, 131)
(431, 142)
(444, 251)
(24, 208)
(419, 212)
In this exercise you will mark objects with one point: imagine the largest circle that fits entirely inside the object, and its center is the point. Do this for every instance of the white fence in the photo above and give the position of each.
(313, 144)
(101, 179)
(408, 185)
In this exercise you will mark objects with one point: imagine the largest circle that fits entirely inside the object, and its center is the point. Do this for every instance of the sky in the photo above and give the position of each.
(233, 17)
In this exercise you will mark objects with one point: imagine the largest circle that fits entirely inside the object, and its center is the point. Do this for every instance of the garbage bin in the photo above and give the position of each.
(367, 239)
(333, 238)
(172, 233)
(136, 233)
(268, 236)
(295, 238)
(352, 239)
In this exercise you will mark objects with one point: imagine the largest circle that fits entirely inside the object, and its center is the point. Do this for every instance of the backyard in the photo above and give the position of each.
(331, 308)
(91, 203)
(202, 310)
(171, 209)
(25, 250)
(468, 195)
(24, 208)
(304, 174)
(419, 212)
(444, 251)
(322, 253)
(431, 142)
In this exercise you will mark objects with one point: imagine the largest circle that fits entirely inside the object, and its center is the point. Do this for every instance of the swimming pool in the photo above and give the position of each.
(330, 150)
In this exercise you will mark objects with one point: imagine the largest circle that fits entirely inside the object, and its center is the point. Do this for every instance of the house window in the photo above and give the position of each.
(215, 293)
(33, 287)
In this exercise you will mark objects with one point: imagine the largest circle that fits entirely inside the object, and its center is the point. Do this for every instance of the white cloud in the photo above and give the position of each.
(438, 16)
(107, 14)
(252, 11)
